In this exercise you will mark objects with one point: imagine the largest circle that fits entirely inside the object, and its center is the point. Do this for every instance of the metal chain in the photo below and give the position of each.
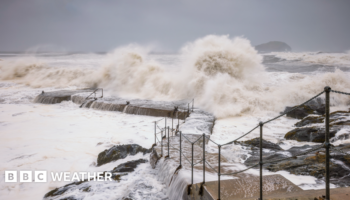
(340, 92)
(198, 162)
(211, 167)
(160, 119)
(187, 158)
(187, 138)
(159, 128)
(197, 139)
(212, 141)
(295, 107)
(340, 151)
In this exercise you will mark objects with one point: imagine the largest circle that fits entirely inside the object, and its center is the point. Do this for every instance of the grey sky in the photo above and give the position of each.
(101, 25)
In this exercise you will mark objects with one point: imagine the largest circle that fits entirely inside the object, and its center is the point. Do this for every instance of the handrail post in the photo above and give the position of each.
(168, 142)
(178, 120)
(155, 132)
(192, 167)
(165, 125)
(172, 125)
(188, 110)
(327, 144)
(261, 160)
(219, 172)
(180, 149)
(203, 158)
(161, 141)
(192, 104)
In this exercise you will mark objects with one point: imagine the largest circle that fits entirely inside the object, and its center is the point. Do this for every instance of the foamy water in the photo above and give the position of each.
(224, 75)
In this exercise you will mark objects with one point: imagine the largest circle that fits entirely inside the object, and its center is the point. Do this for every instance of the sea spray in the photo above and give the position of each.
(34, 72)
(224, 75)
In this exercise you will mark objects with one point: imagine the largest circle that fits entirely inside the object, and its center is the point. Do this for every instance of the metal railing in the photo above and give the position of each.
(325, 145)
(95, 98)
(177, 114)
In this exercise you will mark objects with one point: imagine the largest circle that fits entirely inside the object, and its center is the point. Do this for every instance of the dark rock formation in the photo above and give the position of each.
(335, 118)
(312, 163)
(129, 166)
(85, 186)
(314, 107)
(63, 189)
(256, 143)
(119, 152)
(310, 134)
(310, 120)
(273, 46)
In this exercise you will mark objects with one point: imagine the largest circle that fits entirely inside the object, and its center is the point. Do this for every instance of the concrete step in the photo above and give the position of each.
(246, 188)
(275, 187)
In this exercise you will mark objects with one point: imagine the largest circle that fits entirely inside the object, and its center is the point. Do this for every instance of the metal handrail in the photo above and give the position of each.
(326, 145)
(94, 92)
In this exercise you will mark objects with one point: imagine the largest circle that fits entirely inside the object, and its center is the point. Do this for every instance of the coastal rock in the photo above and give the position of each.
(119, 152)
(85, 186)
(312, 163)
(316, 107)
(310, 120)
(129, 166)
(271, 150)
(335, 118)
(301, 112)
(63, 189)
(256, 143)
(310, 134)
(273, 46)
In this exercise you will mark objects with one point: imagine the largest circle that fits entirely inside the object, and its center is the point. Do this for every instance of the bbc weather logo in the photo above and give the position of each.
(25, 176)
(42, 176)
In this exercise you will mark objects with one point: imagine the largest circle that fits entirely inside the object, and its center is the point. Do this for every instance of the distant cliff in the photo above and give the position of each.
(274, 46)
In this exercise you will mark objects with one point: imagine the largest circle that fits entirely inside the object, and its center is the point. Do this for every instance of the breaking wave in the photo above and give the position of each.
(335, 59)
(224, 75)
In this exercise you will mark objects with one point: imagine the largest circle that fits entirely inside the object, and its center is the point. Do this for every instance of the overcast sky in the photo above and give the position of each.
(101, 25)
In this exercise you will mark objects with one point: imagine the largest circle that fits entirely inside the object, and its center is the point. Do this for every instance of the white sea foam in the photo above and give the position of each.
(224, 76)
(62, 137)
(335, 59)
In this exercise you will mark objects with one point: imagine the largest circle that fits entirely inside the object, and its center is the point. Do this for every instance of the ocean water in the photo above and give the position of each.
(225, 76)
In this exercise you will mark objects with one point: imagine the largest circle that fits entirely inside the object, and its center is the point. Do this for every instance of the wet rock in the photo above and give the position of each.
(129, 166)
(85, 186)
(310, 120)
(256, 143)
(301, 112)
(63, 189)
(119, 152)
(312, 163)
(335, 118)
(310, 134)
(117, 177)
(153, 158)
(316, 107)
(270, 150)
